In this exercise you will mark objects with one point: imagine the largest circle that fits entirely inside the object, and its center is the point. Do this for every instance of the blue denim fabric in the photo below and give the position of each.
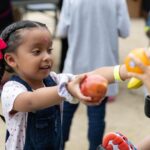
(44, 126)
(96, 125)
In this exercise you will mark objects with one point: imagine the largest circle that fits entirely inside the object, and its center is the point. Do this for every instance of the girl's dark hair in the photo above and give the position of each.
(12, 37)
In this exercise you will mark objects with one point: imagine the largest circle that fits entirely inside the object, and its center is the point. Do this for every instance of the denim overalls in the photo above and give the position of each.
(43, 126)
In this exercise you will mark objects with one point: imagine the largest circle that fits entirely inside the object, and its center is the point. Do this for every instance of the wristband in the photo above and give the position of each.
(116, 73)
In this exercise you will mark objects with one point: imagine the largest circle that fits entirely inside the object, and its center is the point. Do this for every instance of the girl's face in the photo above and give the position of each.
(33, 58)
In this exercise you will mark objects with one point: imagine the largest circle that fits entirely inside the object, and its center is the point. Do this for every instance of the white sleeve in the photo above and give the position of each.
(123, 19)
(9, 93)
(64, 20)
(62, 80)
(61, 77)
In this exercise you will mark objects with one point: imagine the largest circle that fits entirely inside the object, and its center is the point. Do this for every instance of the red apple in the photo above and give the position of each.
(94, 86)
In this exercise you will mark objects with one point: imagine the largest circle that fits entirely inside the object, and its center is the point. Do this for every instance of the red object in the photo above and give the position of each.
(94, 86)
(3, 45)
(116, 140)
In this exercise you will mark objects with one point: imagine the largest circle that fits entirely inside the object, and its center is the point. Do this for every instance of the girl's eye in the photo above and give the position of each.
(36, 52)
(49, 50)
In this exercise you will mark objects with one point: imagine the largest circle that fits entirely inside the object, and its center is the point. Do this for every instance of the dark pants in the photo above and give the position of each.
(96, 125)
(64, 49)
(6, 14)
(146, 5)
(64, 44)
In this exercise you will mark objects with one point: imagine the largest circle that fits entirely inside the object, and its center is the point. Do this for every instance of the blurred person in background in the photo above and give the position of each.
(6, 14)
(146, 6)
(146, 10)
(92, 29)
(64, 45)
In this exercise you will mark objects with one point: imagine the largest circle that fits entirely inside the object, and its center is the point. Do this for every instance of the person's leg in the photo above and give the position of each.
(64, 45)
(64, 48)
(96, 127)
(60, 4)
(68, 113)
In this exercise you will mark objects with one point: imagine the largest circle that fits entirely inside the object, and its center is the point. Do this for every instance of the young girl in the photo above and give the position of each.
(31, 98)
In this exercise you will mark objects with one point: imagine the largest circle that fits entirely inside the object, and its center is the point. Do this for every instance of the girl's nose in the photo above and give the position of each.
(47, 56)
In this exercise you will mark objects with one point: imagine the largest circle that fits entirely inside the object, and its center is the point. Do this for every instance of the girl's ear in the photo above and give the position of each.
(10, 59)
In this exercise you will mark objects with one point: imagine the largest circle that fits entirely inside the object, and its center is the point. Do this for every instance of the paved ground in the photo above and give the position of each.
(126, 114)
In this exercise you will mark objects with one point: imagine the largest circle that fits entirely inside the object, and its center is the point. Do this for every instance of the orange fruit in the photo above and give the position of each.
(94, 86)
(140, 54)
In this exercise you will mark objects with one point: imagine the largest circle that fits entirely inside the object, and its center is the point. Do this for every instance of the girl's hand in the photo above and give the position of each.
(74, 89)
(145, 76)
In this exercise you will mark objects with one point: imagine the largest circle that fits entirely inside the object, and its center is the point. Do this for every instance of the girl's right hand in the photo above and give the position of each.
(74, 89)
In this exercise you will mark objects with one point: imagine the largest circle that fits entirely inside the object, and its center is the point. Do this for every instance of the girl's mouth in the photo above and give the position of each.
(47, 67)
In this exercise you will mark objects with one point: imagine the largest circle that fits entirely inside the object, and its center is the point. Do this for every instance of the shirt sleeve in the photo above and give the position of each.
(123, 19)
(61, 77)
(64, 20)
(9, 93)
(62, 80)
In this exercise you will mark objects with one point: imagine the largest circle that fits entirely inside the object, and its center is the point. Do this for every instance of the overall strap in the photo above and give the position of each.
(47, 81)
(18, 79)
